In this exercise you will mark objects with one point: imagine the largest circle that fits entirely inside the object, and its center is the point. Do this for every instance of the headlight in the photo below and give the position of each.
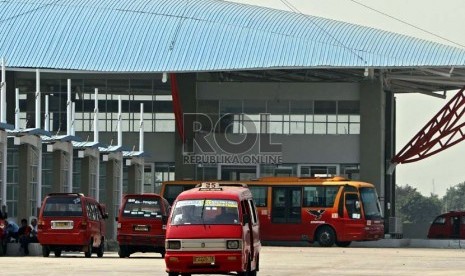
(176, 245)
(233, 244)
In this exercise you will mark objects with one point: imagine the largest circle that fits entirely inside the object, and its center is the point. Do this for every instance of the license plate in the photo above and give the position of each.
(141, 228)
(204, 259)
(62, 225)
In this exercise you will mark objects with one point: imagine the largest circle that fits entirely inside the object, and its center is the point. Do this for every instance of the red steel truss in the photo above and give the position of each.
(177, 109)
(443, 131)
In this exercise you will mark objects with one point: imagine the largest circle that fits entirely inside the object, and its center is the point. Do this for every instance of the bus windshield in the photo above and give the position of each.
(205, 211)
(371, 205)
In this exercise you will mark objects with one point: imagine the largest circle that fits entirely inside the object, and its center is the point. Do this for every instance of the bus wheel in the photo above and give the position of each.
(45, 251)
(343, 243)
(326, 236)
(57, 253)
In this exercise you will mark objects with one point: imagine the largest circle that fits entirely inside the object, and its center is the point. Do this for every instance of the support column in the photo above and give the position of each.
(187, 96)
(372, 135)
(58, 177)
(113, 186)
(3, 155)
(24, 174)
(135, 178)
(85, 175)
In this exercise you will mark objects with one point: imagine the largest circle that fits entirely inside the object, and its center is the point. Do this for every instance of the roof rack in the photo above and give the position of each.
(221, 184)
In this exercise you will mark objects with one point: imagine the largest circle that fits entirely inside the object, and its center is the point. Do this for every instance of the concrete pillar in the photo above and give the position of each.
(25, 174)
(390, 150)
(58, 177)
(3, 172)
(372, 135)
(187, 97)
(135, 178)
(112, 192)
(85, 175)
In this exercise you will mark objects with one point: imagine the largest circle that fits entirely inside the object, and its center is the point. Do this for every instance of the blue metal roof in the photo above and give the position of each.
(196, 35)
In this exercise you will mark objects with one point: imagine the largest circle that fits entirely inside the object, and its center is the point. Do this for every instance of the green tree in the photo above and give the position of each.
(455, 198)
(412, 206)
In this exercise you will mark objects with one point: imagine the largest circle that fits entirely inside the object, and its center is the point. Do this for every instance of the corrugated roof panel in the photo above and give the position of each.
(196, 35)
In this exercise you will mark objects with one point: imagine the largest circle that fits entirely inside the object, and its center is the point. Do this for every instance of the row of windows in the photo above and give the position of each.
(284, 117)
(313, 196)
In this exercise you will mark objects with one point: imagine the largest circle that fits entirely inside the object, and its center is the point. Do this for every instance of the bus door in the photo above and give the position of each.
(286, 208)
(353, 224)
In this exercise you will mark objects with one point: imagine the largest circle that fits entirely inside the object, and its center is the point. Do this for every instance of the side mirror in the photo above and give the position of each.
(164, 219)
(116, 218)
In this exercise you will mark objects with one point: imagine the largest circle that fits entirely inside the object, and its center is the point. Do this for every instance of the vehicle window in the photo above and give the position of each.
(142, 208)
(90, 213)
(66, 206)
(352, 206)
(440, 220)
(320, 196)
(172, 191)
(253, 211)
(371, 204)
(259, 195)
(208, 211)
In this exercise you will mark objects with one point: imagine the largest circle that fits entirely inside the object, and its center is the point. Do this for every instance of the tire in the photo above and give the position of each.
(57, 253)
(163, 253)
(326, 236)
(2, 249)
(343, 243)
(45, 251)
(88, 253)
(101, 249)
(249, 271)
(123, 251)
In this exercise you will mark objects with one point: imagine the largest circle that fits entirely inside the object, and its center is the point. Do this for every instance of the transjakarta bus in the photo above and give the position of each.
(327, 210)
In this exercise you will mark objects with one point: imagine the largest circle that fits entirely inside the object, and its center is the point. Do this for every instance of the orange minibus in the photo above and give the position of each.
(329, 211)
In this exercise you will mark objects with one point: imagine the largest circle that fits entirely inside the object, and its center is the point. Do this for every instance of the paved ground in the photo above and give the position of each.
(274, 261)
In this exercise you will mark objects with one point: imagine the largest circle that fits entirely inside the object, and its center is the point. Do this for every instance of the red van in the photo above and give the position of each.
(142, 224)
(71, 222)
(213, 229)
(450, 225)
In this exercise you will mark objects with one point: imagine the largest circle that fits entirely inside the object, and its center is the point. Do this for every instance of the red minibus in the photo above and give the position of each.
(71, 222)
(326, 210)
(142, 224)
(213, 229)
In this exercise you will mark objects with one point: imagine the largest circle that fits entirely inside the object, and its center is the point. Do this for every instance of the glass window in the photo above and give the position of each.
(348, 107)
(63, 206)
(325, 107)
(320, 196)
(254, 106)
(278, 107)
(231, 106)
(142, 208)
(301, 107)
(260, 195)
(205, 211)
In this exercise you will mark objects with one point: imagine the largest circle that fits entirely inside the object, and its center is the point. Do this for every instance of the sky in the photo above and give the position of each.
(438, 21)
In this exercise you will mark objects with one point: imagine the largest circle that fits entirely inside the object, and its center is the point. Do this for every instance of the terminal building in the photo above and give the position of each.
(112, 97)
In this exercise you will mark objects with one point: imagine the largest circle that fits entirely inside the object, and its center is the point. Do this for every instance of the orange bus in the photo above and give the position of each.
(324, 210)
